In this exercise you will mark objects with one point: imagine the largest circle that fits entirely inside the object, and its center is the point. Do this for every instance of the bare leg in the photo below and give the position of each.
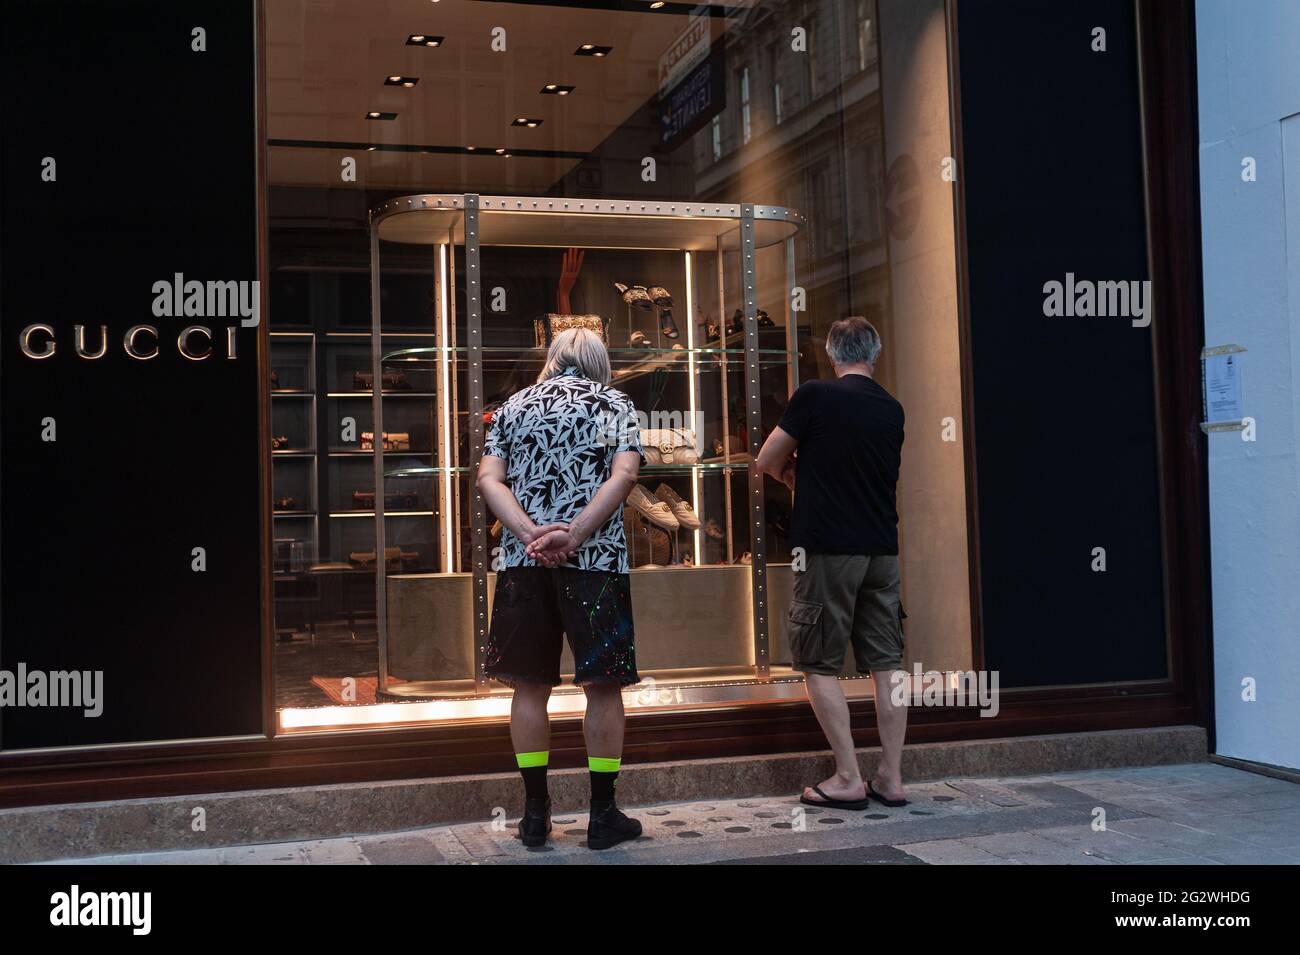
(832, 711)
(530, 728)
(603, 723)
(891, 719)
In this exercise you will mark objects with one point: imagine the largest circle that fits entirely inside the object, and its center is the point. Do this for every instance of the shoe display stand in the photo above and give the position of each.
(710, 611)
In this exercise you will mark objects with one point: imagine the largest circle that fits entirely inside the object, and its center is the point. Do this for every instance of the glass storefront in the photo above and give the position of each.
(449, 182)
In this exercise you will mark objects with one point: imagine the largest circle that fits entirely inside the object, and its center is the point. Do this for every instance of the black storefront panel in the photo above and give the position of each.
(153, 143)
(1064, 407)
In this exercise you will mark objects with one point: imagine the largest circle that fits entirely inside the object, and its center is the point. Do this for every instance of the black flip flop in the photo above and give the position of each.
(828, 803)
(891, 803)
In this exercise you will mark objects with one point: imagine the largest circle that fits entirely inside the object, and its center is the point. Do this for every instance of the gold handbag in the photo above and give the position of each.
(669, 446)
(551, 324)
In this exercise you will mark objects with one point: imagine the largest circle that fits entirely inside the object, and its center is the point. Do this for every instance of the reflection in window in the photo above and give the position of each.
(717, 137)
(745, 130)
(774, 66)
(866, 46)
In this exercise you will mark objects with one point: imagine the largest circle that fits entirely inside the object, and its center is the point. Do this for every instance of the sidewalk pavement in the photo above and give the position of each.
(1192, 814)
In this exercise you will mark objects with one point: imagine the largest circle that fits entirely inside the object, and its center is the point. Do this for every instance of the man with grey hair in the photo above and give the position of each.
(838, 447)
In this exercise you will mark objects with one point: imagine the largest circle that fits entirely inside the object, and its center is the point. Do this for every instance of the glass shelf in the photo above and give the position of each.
(370, 454)
(385, 394)
(434, 354)
(422, 472)
(371, 514)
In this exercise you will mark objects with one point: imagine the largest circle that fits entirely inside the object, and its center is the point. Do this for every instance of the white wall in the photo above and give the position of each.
(1249, 84)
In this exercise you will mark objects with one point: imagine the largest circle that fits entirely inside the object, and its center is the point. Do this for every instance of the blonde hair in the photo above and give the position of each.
(579, 348)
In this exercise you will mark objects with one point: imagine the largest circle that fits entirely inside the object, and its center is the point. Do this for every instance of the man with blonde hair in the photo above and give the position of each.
(559, 459)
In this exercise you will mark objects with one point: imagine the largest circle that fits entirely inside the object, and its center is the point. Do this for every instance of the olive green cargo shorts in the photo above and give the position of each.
(840, 599)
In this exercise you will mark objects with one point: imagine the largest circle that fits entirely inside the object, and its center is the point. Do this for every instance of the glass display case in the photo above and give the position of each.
(703, 359)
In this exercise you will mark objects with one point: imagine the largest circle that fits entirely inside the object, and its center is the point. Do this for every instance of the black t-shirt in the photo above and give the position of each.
(850, 434)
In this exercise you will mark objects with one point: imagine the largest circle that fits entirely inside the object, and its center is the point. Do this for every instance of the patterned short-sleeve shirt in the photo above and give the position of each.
(558, 439)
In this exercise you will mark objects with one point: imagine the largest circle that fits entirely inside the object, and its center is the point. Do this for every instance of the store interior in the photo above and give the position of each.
(589, 102)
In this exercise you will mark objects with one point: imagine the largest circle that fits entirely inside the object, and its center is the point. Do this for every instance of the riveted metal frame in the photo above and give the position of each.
(725, 364)
(377, 413)
(478, 515)
(472, 206)
(755, 510)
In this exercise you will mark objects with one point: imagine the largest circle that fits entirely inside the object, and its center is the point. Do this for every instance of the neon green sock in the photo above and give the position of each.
(604, 764)
(528, 760)
(532, 766)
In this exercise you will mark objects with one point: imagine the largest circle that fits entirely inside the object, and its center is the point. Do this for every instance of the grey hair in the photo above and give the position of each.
(853, 341)
(579, 348)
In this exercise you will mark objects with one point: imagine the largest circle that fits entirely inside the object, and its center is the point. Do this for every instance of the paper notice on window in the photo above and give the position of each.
(1223, 387)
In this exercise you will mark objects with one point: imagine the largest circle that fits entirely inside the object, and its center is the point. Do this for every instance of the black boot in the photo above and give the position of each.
(608, 826)
(535, 825)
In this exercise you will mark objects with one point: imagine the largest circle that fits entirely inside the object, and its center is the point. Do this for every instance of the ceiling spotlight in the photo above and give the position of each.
(501, 151)
(591, 49)
(405, 81)
(527, 121)
(556, 89)
(376, 114)
(424, 39)
(654, 6)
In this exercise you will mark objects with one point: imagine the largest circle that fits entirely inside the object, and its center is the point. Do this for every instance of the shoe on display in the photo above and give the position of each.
(737, 322)
(711, 529)
(653, 510)
(667, 327)
(635, 295)
(535, 824)
(608, 826)
(638, 340)
(660, 296)
(712, 331)
(745, 558)
(765, 320)
(684, 513)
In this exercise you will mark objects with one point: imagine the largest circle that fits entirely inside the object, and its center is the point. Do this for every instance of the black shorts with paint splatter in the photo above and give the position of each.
(535, 606)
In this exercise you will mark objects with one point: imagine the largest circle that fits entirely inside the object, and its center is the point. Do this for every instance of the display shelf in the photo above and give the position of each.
(602, 223)
(294, 469)
(387, 393)
(388, 454)
(346, 514)
(433, 355)
(706, 255)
